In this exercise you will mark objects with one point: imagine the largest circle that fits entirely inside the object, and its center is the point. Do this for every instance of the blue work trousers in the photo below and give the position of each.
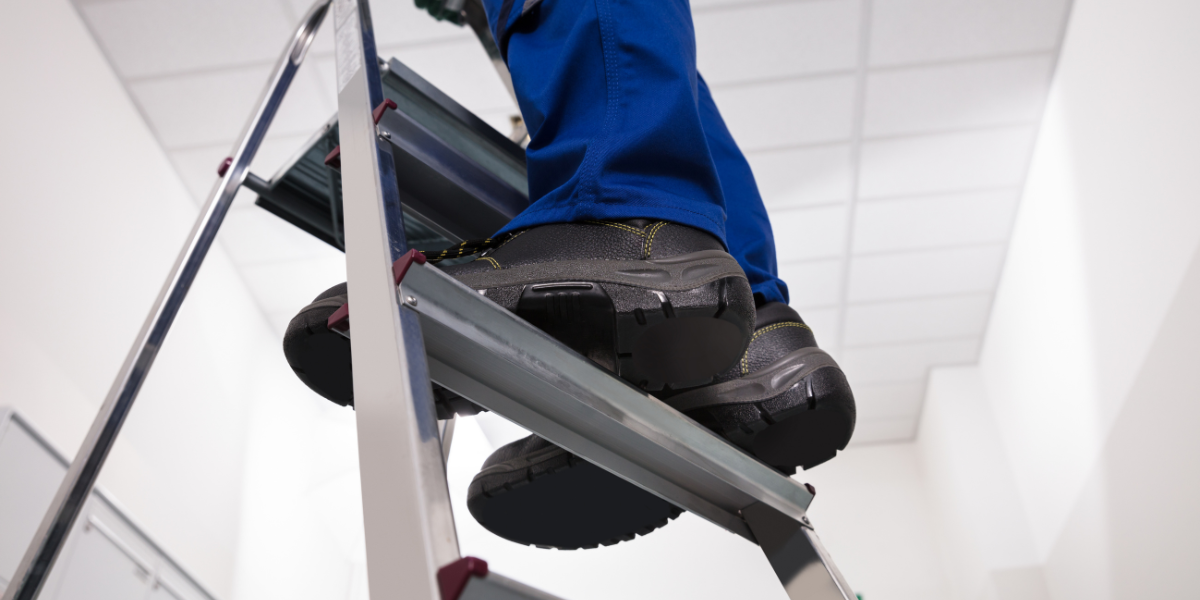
(622, 126)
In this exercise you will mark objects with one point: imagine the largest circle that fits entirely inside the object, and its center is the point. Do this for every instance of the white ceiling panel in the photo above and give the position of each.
(800, 38)
(969, 95)
(278, 321)
(396, 22)
(945, 163)
(459, 68)
(911, 31)
(788, 113)
(144, 38)
(808, 233)
(198, 166)
(253, 236)
(803, 176)
(889, 400)
(920, 273)
(814, 283)
(884, 431)
(916, 320)
(225, 99)
(904, 362)
(700, 6)
(826, 325)
(291, 285)
(933, 221)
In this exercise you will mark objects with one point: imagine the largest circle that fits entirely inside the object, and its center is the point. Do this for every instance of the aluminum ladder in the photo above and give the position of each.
(414, 325)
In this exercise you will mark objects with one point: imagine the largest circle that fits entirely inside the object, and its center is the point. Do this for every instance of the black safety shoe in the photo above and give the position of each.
(785, 402)
(321, 357)
(535, 493)
(660, 304)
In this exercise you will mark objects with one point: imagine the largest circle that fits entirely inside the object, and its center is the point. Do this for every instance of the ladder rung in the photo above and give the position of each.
(480, 350)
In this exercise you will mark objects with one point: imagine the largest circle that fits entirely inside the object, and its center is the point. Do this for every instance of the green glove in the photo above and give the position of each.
(438, 9)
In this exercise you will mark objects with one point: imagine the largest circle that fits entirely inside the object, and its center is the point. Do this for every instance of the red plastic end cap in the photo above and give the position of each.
(400, 267)
(340, 319)
(811, 490)
(224, 166)
(452, 578)
(377, 114)
(334, 158)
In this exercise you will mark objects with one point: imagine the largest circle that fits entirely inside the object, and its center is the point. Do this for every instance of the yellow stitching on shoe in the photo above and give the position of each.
(767, 329)
(511, 238)
(653, 232)
(495, 263)
(620, 226)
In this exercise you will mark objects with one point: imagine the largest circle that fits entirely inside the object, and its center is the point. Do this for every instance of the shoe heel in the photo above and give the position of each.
(681, 343)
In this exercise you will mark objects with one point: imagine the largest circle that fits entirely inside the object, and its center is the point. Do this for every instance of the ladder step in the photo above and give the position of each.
(485, 353)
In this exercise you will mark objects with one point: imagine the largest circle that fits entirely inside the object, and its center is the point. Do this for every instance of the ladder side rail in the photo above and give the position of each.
(797, 556)
(480, 350)
(46, 544)
(406, 501)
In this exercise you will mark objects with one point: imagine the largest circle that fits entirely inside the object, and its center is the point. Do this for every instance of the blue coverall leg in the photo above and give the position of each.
(622, 126)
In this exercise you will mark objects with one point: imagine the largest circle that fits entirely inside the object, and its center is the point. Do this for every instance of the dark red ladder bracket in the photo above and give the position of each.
(339, 321)
(334, 158)
(452, 578)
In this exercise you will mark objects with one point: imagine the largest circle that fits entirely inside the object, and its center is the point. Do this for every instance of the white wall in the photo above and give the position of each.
(93, 218)
(1082, 386)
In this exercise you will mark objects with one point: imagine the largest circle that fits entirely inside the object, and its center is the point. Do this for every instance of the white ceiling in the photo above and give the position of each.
(890, 139)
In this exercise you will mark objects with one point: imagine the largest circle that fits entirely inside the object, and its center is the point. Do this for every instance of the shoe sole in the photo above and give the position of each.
(660, 324)
(318, 356)
(542, 499)
(797, 412)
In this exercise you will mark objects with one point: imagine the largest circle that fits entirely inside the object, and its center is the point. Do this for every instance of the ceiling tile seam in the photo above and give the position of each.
(801, 207)
(272, 136)
(769, 81)
(112, 65)
(890, 382)
(922, 380)
(200, 71)
(736, 5)
(963, 61)
(278, 262)
(905, 439)
(930, 249)
(903, 300)
(800, 146)
(258, 64)
(292, 16)
(856, 144)
(800, 262)
(914, 66)
(902, 344)
(949, 131)
(920, 298)
(883, 198)
(223, 146)
(447, 40)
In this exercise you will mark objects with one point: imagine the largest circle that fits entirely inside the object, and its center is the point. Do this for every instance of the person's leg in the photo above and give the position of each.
(747, 229)
(610, 95)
